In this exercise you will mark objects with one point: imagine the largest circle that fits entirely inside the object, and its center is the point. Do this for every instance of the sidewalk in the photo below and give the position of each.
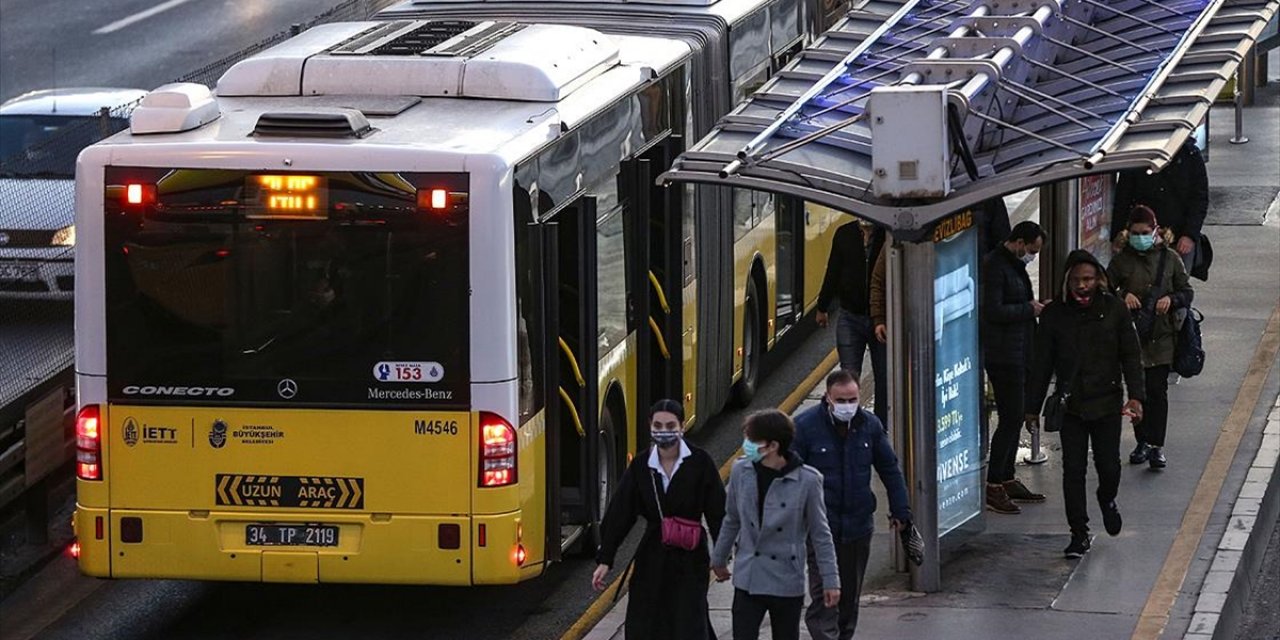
(1012, 581)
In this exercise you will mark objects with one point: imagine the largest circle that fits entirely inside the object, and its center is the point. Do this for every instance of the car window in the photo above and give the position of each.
(46, 146)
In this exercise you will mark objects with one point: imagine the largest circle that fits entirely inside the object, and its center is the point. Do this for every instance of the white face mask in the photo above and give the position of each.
(844, 411)
(1028, 258)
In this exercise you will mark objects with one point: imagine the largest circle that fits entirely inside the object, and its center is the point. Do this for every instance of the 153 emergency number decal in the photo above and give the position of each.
(425, 372)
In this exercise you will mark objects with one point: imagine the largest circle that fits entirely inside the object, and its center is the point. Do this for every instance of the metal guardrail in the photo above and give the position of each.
(37, 382)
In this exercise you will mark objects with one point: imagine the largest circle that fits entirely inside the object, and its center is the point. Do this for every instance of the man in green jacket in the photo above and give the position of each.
(1087, 341)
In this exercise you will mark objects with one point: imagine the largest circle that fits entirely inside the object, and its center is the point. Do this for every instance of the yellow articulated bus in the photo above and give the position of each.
(390, 306)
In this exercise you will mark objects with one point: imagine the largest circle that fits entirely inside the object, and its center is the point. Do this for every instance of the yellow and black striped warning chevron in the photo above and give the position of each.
(301, 492)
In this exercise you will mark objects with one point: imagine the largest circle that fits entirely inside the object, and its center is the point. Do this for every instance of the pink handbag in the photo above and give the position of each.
(681, 533)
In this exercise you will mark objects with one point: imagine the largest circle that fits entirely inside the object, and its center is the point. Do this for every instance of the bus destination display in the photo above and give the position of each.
(304, 197)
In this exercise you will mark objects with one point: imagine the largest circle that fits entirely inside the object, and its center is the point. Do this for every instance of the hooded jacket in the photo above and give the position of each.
(1092, 346)
(1008, 319)
(1133, 271)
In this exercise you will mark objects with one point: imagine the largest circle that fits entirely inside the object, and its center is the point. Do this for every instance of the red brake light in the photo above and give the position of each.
(139, 194)
(520, 555)
(89, 443)
(497, 451)
(433, 199)
(74, 549)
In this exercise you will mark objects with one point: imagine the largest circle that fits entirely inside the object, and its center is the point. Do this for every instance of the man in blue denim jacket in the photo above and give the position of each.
(844, 442)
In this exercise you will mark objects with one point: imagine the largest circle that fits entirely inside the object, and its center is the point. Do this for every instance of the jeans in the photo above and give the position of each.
(839, 622)
(1008, 382)
(749, 610)
(1076, 436)
(1155, 410)
(854, 335)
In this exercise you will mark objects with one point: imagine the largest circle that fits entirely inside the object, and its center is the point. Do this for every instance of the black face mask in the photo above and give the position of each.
(665, 439)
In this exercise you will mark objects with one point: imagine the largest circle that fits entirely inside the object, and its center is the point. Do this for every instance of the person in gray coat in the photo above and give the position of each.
(774, 507)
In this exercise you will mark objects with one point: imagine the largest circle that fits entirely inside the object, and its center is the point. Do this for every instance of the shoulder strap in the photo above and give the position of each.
(1158, 284)
(657, 495)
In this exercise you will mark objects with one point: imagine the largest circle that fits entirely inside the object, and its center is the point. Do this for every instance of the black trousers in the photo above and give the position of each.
(839, 622)
(1077, 434)
(1155, 410)
(749, 610)
(1008, 382)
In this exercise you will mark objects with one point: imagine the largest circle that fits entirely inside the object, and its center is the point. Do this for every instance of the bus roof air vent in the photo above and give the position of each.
(427, 58)
(315, 123)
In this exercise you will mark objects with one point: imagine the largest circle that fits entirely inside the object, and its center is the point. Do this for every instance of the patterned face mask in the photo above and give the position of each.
(665, 439)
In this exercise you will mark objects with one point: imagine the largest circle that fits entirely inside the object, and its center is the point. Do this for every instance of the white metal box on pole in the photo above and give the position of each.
(910, 155)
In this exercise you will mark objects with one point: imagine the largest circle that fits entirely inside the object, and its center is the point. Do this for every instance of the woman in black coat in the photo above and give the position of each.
(668, 597)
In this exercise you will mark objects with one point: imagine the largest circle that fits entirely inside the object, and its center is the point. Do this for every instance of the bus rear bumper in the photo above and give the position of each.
(370, 548)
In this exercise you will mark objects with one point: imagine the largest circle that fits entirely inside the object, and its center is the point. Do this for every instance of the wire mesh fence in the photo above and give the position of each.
(37, 235)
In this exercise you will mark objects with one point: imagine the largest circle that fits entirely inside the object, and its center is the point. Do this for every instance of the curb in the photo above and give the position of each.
(1230, 581)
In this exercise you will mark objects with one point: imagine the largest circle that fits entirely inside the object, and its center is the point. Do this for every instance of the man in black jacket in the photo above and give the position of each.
(1087, 341)
(1009, 312)
(1179, 195)
(854, 251)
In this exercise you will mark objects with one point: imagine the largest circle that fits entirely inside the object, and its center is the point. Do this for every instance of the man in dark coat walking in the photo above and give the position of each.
(844, 442)
(1179, 194)
(854, 252)
(1087, 341)
(1009, 312)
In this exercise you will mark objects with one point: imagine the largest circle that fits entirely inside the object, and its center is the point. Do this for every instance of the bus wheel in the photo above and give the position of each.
(745, 388)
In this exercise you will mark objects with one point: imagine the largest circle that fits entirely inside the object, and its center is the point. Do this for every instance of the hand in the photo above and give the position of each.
(882, 333)
(831, 597)
(1133, 409)
(1186, 245)
(897, 525)
(1037, 307)
(597, 578)
(1163, 304)
(1132, 301)
(722, 573)
(1032, 420)
(821, 317)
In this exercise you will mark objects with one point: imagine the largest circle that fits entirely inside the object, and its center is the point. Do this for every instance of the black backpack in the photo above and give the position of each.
(1188, 351)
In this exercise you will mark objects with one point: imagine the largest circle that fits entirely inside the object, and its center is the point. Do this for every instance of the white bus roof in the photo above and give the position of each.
(510, 128)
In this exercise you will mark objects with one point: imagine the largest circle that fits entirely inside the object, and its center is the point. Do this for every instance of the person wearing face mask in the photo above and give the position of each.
(1009, 312)
(1086, 340)
(671, 479)
(774, 507)
(844, 442)
(1134, 272)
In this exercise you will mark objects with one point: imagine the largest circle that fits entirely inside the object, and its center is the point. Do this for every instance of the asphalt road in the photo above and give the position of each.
(130, 43)
(36, 340)
(59, 603)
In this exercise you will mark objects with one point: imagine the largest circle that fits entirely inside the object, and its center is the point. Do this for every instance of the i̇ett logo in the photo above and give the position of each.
(130, 432)
(287, 388)
(218, 434)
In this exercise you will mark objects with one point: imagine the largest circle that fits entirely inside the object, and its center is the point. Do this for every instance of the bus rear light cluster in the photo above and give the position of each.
(89, 444)
(136, 194)
(497, 451)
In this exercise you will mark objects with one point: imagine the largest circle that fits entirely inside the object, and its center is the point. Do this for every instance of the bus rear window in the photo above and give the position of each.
(334, 289)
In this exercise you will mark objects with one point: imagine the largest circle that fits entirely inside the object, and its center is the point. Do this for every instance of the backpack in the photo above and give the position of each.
(1188, 350)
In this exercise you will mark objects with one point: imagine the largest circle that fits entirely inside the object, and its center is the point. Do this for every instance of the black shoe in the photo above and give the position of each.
(1156, 458)
(1079, 545)
(1140, 453)
(1019, 492)
(1111, 518)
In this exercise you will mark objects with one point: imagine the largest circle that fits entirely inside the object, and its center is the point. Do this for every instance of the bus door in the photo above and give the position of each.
(656, 279)
(573, 444)
(790, 279)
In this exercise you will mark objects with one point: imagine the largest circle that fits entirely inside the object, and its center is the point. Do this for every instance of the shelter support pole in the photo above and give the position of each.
(913, 277)
(1238, 98)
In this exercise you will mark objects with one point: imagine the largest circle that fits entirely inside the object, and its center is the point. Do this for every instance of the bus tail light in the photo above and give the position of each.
(497, 451)
(137, 194)
(89, 444)
(433, 199)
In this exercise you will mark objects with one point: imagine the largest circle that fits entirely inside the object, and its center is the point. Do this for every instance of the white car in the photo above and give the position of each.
(41, 133)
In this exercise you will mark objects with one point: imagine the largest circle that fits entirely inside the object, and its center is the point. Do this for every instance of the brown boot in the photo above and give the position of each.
(998, 500)
(1019, 492)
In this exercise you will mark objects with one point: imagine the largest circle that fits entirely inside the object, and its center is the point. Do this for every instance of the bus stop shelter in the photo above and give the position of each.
(910, 113)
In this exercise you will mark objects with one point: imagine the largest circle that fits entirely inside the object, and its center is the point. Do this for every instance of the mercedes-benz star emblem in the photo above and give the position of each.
(287, 388)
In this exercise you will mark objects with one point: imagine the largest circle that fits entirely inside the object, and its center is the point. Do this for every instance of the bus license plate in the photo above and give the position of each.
(291, 535)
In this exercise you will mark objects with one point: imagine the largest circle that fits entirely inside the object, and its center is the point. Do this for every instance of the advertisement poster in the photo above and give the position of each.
(1095, 216)
(956, 375)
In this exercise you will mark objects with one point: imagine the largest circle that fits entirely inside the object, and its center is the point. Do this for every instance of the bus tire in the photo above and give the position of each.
(744, 390)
